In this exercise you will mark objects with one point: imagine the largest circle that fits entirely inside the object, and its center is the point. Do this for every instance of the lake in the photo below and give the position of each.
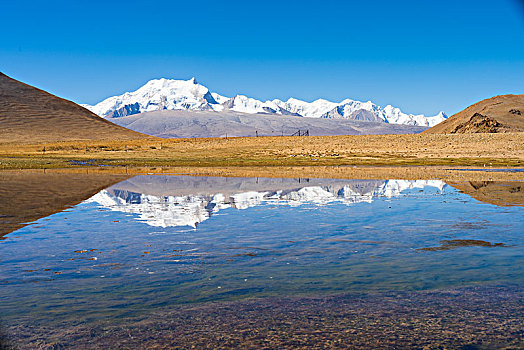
(174, 261)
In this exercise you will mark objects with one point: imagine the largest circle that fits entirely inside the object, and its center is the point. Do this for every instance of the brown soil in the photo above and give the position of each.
(504, 113)
(28, 114)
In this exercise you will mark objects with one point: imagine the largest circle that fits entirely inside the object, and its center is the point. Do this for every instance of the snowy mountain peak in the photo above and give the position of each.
(241, 103)
(219, 98)
(158, 94)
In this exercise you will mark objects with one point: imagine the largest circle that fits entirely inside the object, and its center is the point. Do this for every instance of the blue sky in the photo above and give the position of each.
(422, 56)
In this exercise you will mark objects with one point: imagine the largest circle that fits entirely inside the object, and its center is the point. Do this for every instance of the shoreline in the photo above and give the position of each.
(444, 173)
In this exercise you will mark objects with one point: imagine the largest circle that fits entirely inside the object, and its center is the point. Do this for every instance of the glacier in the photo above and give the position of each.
(172, 94)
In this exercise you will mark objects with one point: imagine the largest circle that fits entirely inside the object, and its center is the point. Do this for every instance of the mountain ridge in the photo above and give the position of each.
(171, 94)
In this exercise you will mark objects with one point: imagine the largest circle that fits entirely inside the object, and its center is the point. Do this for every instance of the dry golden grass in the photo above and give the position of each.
(477, 150)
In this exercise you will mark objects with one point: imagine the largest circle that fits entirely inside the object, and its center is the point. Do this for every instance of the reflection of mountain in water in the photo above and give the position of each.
(29, 195)
(509, 193)
(164, 201)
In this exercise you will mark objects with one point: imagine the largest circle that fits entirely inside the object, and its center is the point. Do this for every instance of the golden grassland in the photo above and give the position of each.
(364, 156)
(372, 150)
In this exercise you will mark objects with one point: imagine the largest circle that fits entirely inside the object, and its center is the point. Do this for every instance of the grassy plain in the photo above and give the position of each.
(476, 150)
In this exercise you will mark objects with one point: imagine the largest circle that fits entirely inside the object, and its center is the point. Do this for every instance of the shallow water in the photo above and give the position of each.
(156, 243)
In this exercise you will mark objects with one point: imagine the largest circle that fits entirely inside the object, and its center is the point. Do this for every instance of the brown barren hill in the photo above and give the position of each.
(504, 113)
(29, 115)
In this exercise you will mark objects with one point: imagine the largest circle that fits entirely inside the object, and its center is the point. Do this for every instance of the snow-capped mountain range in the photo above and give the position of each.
(190, 210)
(159, 94)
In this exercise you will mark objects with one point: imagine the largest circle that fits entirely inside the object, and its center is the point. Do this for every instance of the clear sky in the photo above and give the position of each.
(422, 56)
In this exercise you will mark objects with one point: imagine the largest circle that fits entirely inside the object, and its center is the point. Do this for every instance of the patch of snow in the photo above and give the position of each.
(170, 94)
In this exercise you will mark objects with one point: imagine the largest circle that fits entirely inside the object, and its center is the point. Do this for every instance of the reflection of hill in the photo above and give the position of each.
(162, 185)
(164, 201)
(494, 192)
(30, 195)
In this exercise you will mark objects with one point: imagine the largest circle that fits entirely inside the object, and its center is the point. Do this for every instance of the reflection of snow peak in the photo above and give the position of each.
(313, 194)
(162, 211)
(190, 210)
(248, 199)
(393, 188)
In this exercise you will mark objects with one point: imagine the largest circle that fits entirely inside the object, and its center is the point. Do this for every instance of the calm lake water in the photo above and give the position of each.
(156, 243)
